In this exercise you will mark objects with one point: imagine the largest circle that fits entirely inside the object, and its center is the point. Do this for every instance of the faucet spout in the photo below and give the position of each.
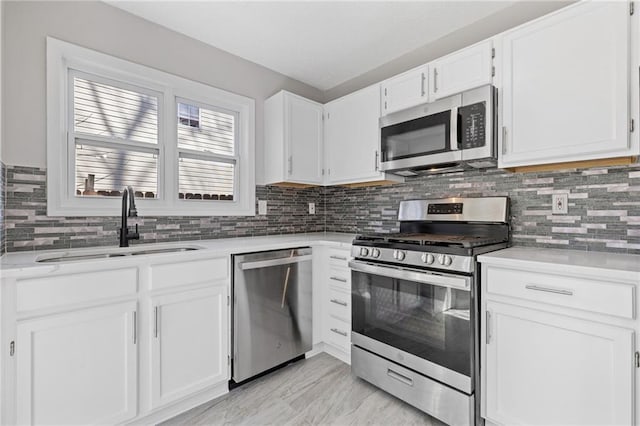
(125, 234)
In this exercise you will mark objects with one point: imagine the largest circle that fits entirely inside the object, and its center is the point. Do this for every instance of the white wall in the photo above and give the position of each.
(101, 27)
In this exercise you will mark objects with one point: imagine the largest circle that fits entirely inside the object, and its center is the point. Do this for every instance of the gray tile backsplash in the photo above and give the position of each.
(604, 210)
(29, 228)
(3, 180)
(604, 205)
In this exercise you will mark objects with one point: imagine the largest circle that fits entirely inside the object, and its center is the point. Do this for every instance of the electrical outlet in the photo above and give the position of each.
(560, 203)
(262, 207)
(312, 208)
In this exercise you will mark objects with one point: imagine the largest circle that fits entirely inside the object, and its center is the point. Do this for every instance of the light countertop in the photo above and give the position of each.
(567, 262)
(20, 263)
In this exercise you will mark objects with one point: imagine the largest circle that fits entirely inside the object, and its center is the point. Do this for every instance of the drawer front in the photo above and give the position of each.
(186, 273)
(578, 293)
(339, 258)
(338, 333)
(339, 304)
(52, 291)
(340, 277)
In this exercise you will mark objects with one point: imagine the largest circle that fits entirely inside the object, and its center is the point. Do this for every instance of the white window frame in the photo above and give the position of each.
(63, 57)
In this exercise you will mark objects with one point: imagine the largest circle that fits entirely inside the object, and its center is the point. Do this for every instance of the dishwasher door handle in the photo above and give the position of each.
(274, 262)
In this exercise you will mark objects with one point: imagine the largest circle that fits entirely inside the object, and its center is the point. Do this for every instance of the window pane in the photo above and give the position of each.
(205, 180)
(113, 169)
(109, 111)
(214, 132)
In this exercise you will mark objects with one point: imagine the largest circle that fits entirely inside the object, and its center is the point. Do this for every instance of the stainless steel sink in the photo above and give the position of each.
(66, 257)
(164, 250)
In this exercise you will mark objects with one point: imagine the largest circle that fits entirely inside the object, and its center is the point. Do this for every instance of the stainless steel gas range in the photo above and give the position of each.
(415, 303)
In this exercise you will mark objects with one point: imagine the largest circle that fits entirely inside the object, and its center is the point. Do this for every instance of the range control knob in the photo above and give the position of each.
(375, 253)
(364, 251)
(445, 260)
(399, 255)
(428, 258)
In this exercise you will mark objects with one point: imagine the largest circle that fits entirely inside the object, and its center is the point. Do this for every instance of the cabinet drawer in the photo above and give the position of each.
(578, 293)
(338, 333)
(339, 304)
(340, 277)
(185, 273)
(60, 290)
(339, 258)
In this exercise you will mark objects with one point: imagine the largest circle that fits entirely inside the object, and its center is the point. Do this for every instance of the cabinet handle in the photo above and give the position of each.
(12, 348)
(342, 280)
(435, 80)
(504, 139)
(422, 93)
(155, 322)
(339, 302)
(337, 257)
(342, 333)
(376, 161)
(290, 164)
(135, 327)
(400, 377)
(488, 328)
(549, 289)
(385, 105)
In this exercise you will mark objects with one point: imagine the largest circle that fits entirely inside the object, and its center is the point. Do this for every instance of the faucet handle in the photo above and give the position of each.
(134, 235)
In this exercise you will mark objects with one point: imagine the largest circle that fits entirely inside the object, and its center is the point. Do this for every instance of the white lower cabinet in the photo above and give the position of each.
(189, 343)
(79, 367)
(558, 337)
(544, 369)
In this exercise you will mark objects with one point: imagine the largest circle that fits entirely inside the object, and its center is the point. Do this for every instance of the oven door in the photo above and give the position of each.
(420, 319)
(421, 137)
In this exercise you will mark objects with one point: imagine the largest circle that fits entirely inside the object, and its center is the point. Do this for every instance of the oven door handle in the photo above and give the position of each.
(424, 277)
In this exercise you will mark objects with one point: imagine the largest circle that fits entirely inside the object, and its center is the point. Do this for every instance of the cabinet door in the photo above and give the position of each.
(565, 86)
(463, 70)
(189, 345)
(352, 137)
(405, 90)
(79, 367)
(544, 369)
(303, 127)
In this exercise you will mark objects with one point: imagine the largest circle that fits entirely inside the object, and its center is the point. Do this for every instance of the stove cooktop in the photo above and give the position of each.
(425, 239)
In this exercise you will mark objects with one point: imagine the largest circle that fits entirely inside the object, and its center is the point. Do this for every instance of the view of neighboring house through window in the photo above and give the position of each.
(207, 153)
(116, 138)
(188, 115)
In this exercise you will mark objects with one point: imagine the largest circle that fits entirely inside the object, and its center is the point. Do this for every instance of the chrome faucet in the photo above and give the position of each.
(125, 235)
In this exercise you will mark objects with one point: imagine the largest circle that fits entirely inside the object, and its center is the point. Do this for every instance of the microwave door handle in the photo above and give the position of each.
(454, 141)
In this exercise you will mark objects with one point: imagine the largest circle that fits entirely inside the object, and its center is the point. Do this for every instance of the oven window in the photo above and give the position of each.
(428, 321)
(415, 138)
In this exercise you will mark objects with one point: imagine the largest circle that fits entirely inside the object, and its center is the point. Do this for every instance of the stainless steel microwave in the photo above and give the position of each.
(447, 134)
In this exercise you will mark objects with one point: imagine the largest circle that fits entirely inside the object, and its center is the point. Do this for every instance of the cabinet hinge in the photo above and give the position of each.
(631, 8)
(228, 301)
(12, 348)
(385, 105)
(493, 52)
(493, 71)
(637, 359)
(632, 125)
(228, 360)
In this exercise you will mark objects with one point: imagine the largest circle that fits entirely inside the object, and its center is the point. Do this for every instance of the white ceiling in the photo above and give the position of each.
(319, 43)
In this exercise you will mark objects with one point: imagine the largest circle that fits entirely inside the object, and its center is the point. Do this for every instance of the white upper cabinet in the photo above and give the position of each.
(352, 138)
(293, 140)
(405, 90)
(463, 70)
(565, 94)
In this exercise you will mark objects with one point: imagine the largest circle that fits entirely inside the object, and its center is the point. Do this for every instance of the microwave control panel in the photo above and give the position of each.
(473, 119)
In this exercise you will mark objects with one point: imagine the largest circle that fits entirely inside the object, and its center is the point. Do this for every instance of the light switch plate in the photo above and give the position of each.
(312, 208)
(262, 207)
(560, 203)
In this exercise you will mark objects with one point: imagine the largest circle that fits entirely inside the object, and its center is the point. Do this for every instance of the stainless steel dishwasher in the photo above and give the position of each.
(271, 309)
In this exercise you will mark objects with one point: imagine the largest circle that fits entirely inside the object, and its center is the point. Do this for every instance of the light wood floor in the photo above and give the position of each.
(316, 391)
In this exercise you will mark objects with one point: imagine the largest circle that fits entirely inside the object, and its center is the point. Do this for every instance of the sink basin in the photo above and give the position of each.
(67, 257)
(164, 250)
